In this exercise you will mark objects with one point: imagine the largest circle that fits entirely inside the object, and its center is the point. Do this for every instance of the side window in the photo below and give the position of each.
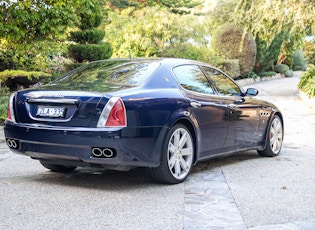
(192, 78)
(223, 84)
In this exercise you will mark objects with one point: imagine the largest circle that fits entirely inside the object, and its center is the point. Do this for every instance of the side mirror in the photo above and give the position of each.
(251, 92)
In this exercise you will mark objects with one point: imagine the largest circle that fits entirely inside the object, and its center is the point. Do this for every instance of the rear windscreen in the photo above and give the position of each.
(104, 76)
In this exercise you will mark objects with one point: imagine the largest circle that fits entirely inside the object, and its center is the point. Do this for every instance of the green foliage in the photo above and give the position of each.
(90, 14)
(289, 73)
(299, 63)
(90, 47)
(222, 13)
(267, 54)
(267, 74)
(309, 51)
(17, 73)
(90, 52)
(270, 17)
(251, 75)
(35, 56)
(233, 43)
(26, 21)
(189, 51)
(175, 6)
(14, 79)
(3, 107)
(282, 68)
(92, 36)
(307, 82)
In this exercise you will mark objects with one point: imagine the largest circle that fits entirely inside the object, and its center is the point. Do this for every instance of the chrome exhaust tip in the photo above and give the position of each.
(12, 143)
(97, 152)
(101, 152)
(108, 153)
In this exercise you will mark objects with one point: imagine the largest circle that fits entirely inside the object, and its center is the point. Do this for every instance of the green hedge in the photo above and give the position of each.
(90, 52)
(289, 73)
(93, 36)
(18, 73)
(267, 74)
(282, 68)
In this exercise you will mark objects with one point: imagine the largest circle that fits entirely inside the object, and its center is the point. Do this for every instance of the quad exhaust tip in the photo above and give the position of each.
(13, 144)
(101, 152)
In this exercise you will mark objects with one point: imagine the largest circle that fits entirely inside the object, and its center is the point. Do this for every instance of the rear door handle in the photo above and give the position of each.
(195, 104)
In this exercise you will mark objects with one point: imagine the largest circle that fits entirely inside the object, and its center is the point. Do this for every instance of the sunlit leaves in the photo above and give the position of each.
(269, 18)
(24, 21)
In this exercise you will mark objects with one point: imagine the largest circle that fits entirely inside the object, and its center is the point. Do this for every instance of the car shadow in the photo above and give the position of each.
(102, 179)
(225, 161)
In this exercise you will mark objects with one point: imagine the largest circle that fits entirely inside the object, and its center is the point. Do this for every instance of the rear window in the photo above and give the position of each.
(108, 75)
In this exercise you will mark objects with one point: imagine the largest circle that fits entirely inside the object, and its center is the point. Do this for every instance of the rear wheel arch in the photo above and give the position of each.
(277, 132)
(177, 155)
(192, 129)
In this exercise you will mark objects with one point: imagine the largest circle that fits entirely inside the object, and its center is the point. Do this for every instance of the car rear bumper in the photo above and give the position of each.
(133, 147)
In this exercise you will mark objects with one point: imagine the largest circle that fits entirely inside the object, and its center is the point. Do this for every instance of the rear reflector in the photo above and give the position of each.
(113, 114)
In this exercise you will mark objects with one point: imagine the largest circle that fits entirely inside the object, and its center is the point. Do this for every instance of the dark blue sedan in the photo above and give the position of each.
(163, 114)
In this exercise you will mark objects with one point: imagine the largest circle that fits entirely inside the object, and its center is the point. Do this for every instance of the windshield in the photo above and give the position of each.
(104, 76)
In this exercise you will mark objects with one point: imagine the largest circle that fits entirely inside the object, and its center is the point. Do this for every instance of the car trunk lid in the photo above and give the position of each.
(58, 108)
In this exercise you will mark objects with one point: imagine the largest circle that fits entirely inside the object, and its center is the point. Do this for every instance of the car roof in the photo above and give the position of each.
(163, 60)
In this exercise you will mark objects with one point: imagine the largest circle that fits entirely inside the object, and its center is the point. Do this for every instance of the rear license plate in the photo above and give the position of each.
(44, 111)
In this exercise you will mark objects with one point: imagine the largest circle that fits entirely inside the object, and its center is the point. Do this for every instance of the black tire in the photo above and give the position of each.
(177, 156)
(274, 138)
(58, 168)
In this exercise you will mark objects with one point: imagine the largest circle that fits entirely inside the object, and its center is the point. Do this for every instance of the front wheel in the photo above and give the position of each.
(177, 156)
(274, 138)
(58, 168)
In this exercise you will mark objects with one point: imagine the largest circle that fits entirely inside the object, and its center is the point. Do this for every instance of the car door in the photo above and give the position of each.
(243, 111)
(206, 107)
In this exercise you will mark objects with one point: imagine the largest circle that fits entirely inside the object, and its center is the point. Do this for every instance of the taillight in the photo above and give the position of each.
(10, 112)
(113, 114)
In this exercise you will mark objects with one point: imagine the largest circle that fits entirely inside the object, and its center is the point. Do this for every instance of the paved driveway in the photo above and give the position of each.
(243, 191)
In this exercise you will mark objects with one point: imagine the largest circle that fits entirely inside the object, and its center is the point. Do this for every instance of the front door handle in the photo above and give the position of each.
(195, 104)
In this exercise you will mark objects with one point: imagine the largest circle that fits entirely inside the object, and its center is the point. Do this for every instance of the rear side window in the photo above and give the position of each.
(192, 78)
(105, 75)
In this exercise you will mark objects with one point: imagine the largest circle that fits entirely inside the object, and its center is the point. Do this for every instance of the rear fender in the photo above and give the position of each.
(186, 118)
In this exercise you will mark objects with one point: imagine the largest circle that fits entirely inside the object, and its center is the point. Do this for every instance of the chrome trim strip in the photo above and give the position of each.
(51, 100)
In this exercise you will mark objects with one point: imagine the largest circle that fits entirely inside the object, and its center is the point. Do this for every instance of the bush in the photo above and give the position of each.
(281, 68)
(90, 52)
(307, 82)
(15, 78)
(3, 108)
(289, 73)
(299, 63)
(251, 75)
(231, 43)
(267, 74)
(93, 36)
